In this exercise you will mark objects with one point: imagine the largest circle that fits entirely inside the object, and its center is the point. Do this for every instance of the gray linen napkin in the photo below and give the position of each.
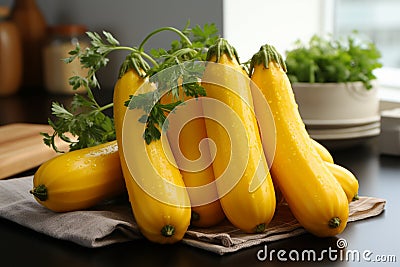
(114, 223)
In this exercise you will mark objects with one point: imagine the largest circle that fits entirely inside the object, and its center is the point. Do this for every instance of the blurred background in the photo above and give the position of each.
(129, 21)
(246, 24)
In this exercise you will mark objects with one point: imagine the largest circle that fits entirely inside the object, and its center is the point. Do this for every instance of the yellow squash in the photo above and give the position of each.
(313, 194)
(346, 179)
(79, 179)
(158, 221)
(322, 151)
(243, 179)
(185, 141)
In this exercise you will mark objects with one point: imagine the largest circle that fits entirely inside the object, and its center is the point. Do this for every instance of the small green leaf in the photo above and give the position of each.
(110, 39)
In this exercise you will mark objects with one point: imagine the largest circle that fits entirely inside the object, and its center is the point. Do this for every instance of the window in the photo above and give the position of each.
(248, 24)
(380, 21)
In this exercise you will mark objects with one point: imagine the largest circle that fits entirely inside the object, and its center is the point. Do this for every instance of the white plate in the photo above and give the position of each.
(340, 123)
(345, 130)
(340, 136)
(346, 143)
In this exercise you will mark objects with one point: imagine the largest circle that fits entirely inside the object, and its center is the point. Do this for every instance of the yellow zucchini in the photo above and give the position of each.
(313, 194)
(159, 221)
(346, 179)
(247, 195)
(79, 179)
(185, 141)
(322, 151)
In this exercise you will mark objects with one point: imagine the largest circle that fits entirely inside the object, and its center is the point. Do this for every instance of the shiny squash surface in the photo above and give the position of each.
(79, 179)
(248, 207)
(346, 179)
(313, 194)
(158, 221)
(194, 162)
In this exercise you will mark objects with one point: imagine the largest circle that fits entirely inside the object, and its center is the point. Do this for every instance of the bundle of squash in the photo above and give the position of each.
(317, 191)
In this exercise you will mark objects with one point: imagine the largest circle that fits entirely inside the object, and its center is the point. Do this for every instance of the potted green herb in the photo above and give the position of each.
(333, 80)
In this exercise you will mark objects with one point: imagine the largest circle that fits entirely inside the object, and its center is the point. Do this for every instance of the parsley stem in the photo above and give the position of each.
(181, 34)
(149, 58)
(110, 105)
(135, 50)
(183, 51)
(123, 48)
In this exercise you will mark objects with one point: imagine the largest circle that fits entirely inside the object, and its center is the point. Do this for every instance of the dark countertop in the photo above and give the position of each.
(378, 175)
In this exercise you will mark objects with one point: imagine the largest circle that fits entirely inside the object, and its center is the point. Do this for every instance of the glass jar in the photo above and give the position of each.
(63, 39)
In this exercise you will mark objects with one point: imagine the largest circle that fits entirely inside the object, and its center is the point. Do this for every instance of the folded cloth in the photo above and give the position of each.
(113, 222)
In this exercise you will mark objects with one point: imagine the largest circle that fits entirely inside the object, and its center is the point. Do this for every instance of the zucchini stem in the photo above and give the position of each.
(222, 47)
(40, 192)
(264, 56)
(168, 230)
(334, 222)
(260, 228)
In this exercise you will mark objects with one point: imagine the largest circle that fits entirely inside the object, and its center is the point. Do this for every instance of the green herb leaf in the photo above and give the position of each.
(84, 120)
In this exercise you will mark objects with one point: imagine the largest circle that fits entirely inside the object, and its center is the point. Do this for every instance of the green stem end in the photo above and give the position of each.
(40, 192)
(334, 222)
(260, 228)
(356, 197)
(168, 230)
(222, 47)
(265, 55)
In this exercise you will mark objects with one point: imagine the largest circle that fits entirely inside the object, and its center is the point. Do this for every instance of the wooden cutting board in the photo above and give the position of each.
(22, 147)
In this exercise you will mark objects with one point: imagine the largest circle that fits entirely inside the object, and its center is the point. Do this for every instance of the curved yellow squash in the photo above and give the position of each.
(79, 179)
(322, 151)
(185, 143)
(249, 204)
(346, 179)
(158, 221)
(313, 194)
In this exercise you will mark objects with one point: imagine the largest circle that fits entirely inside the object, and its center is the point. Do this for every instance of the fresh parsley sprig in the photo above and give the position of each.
(85, 118)
(179, 67)
(95, 57)
(181, 74)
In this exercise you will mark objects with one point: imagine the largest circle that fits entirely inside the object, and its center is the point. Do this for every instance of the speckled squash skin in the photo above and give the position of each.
(249, 210)
(158, 221)
(314, 196)
(79, 179)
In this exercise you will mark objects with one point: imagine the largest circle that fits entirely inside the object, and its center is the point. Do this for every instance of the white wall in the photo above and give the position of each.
(249, 24)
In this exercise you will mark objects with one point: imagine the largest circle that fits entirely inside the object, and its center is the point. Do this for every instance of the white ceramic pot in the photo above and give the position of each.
(336, 103)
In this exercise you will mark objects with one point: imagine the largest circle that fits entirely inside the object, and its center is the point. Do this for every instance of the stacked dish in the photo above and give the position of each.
(345, 129)
(338, 111)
